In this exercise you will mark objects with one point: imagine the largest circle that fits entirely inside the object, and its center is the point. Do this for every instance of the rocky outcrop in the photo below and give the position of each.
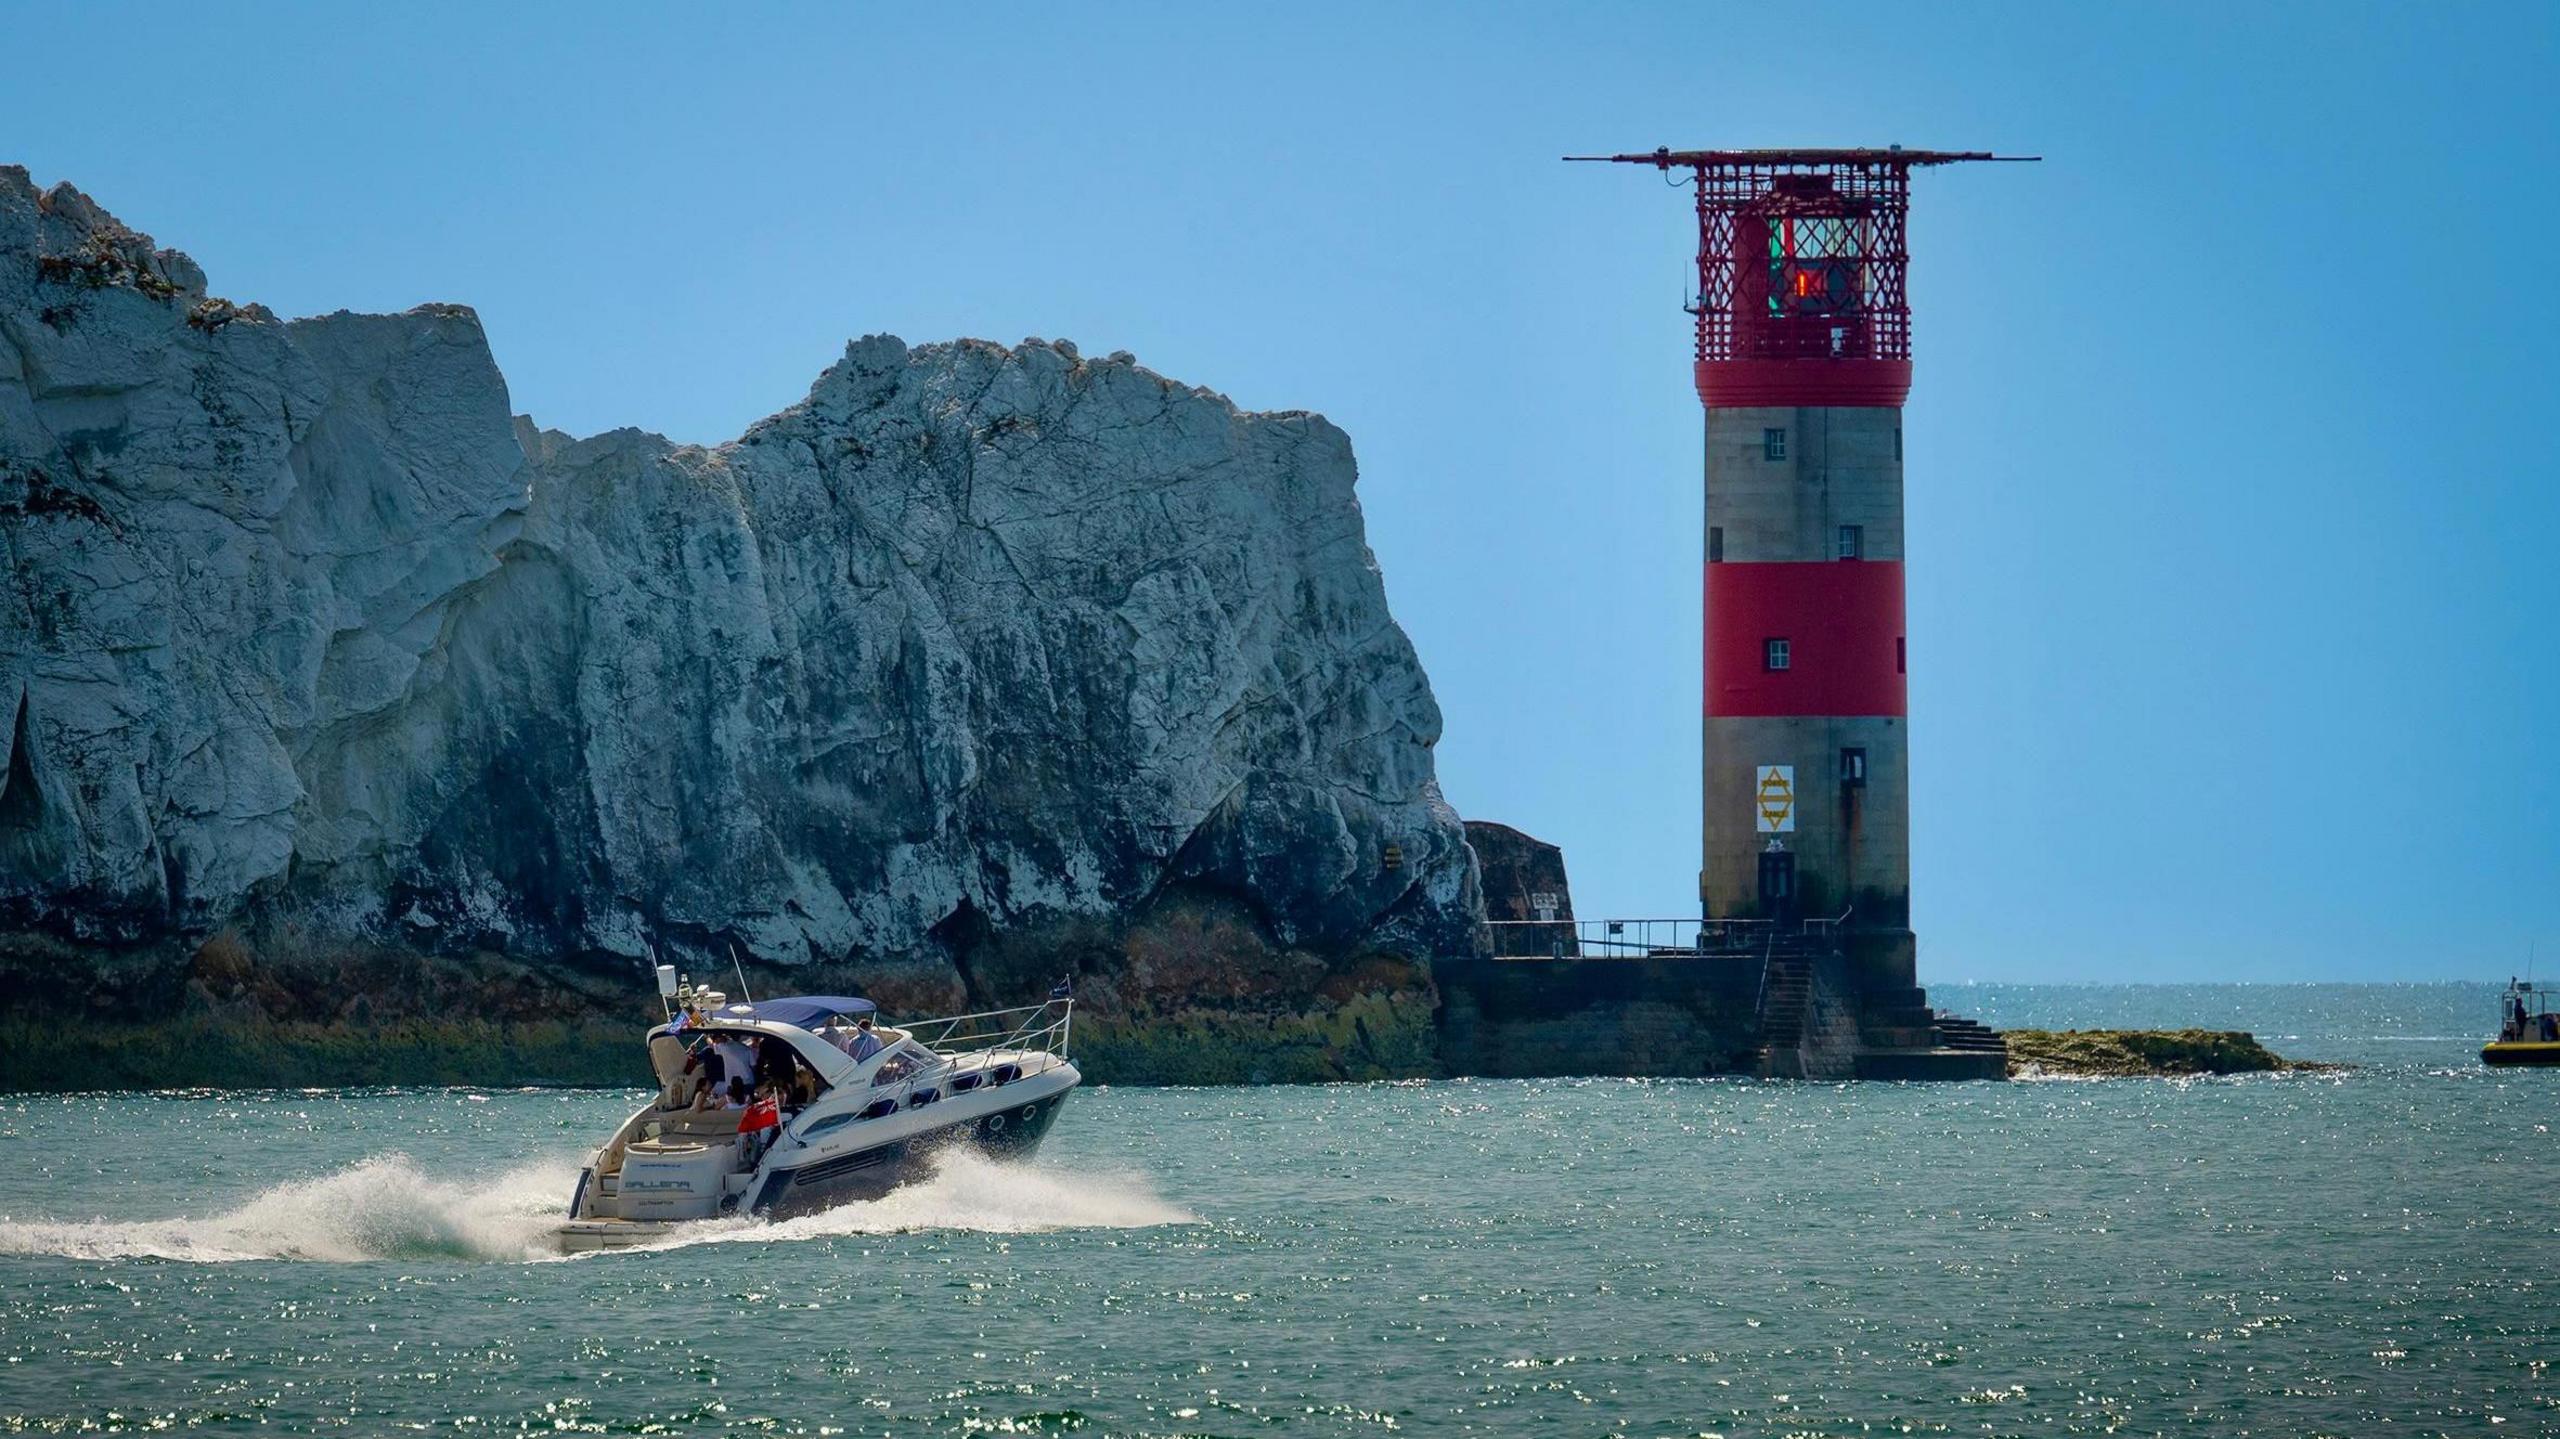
(2128, 1053)
(306, 637)
(1526, 895)
(1522, 876)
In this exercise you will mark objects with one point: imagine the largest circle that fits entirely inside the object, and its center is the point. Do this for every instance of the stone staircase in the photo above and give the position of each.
(1890, 1034)
(1785, 998)
(1917, 1042)
(1897, 1019)
(1971, 1035)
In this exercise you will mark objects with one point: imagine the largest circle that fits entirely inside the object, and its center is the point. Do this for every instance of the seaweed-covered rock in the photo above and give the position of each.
(2132, 1052)
(305, 632)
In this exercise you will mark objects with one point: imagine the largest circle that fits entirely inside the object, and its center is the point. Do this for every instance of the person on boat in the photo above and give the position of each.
(775, 1065)
(865, 1043)
(704, 1065)
(737, 1060)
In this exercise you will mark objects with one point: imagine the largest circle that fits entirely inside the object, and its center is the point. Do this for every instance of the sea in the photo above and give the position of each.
(2374, 1250)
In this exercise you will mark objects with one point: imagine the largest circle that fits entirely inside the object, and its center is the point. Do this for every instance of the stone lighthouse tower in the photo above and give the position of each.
(1803, 363)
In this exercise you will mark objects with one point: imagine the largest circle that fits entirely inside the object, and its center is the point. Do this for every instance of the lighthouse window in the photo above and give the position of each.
(1853, 768)
(1773, 444)
(1853, 542)
(1715, 544)
(1775, 653)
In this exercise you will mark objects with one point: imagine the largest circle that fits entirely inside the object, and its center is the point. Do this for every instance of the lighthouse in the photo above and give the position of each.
(1803, 362)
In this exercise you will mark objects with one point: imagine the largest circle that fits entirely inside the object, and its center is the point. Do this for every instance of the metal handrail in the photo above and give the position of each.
(1647, 938)
(1760, 997)
(1032, 1009)
(1025, 1034)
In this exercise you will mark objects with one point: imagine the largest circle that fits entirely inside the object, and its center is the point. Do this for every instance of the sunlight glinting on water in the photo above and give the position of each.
(2283, 1254)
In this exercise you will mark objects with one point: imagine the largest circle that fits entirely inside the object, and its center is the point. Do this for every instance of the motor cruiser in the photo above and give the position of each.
(836, 1128)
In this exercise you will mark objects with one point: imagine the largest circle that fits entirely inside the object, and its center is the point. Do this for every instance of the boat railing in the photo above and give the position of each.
(1036, 1032)
(2528, 1014)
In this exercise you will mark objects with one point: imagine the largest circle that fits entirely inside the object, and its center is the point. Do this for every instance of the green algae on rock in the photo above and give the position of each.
(2120, 1053)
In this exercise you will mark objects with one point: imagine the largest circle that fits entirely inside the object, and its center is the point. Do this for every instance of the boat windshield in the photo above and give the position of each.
(907, 1059)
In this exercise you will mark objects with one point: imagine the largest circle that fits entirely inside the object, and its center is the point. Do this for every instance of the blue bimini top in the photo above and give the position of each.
(809, 1011)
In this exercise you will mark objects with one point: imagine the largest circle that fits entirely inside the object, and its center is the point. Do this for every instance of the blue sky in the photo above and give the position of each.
(2230, 461)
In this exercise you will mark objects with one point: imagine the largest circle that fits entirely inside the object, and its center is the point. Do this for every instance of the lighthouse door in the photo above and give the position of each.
(1777, 884)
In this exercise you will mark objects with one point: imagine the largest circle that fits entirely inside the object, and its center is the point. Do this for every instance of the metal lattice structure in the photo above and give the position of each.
(1832, 284)
(1802, 254)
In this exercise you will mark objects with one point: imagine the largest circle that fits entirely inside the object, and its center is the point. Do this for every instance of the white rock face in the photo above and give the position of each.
(302, 626)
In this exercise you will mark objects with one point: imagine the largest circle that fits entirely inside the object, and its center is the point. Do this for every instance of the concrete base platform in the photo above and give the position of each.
(1932, 1064)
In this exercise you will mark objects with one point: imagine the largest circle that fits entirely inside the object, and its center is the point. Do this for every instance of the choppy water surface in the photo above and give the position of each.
(2275, 1255)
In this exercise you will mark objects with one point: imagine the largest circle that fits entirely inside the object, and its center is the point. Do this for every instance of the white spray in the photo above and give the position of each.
(388, 1207)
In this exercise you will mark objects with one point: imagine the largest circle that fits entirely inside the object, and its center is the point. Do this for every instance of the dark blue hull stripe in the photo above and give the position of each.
(870, 1173)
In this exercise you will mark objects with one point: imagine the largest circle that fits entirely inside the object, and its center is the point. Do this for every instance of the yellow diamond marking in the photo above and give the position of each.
(1777, 796)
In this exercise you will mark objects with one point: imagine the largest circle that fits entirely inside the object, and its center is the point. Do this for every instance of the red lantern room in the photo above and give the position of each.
(1801, 301)
(1801, 266)
(1801, 273)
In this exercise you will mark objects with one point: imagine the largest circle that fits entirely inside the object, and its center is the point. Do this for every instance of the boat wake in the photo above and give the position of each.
(389, 1208)
(966, 1191)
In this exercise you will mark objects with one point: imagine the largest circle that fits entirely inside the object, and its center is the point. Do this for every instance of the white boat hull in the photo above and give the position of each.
(849, 1160)
(585, 1236)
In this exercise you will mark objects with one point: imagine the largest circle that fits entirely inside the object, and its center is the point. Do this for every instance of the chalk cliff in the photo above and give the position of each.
(306, 635)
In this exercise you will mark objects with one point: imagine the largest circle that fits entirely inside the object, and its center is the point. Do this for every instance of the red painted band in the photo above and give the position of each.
(1842, 621)
(1724, 384)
